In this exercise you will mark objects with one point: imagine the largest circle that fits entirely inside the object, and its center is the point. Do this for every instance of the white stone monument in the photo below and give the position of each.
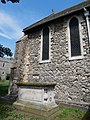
(37, 98)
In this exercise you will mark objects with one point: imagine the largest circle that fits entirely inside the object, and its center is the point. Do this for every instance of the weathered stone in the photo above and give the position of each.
(72, 76)
(38, 99)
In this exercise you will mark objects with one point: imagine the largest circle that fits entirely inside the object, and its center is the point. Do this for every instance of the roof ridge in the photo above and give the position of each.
(58, 14)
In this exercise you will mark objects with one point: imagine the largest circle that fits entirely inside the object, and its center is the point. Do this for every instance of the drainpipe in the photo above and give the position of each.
(86, 14)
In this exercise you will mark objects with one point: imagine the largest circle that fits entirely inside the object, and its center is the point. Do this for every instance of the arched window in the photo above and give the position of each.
(45, 44)
(75, 45)
(3, 64)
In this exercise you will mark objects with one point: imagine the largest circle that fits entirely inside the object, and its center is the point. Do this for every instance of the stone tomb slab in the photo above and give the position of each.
(37, 99)
(31, 95)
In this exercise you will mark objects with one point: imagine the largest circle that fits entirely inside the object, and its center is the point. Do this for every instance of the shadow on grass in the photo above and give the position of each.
(87, 115)
(8, 112)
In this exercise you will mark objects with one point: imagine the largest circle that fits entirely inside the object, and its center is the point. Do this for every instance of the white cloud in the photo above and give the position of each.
(4, 35)
(9, 27)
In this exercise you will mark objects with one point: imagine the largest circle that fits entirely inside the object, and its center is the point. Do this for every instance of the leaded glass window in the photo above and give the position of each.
(45, 44)
(74, 37)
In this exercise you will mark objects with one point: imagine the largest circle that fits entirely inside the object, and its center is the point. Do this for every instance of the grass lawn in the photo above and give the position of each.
(8, 112)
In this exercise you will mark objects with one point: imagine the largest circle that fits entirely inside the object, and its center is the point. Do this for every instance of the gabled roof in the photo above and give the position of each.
(58, 15)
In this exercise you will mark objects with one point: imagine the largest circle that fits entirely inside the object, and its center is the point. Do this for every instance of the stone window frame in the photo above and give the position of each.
(41, 43)
(69, 42)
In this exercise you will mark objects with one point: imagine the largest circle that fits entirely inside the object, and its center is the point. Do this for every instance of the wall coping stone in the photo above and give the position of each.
(45, 84)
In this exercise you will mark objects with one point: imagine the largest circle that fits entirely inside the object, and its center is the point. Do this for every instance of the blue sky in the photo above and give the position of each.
(15, 17)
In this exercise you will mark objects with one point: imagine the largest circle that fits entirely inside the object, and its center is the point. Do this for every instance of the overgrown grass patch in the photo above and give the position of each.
(8, 112)
(4, 82)
(72, 114)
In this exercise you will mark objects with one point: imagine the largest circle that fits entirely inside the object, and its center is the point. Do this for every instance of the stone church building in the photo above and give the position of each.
(57, 49)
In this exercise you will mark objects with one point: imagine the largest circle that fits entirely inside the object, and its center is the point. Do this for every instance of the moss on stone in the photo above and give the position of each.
(35, 84)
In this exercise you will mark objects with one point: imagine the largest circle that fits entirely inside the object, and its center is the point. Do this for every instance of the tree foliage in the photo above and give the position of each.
(5, 51)
(13, 1)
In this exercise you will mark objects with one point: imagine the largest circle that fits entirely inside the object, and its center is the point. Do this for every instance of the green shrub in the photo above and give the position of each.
(4, 87)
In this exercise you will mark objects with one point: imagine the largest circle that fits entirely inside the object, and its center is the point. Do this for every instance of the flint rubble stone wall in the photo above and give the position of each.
(72, 76)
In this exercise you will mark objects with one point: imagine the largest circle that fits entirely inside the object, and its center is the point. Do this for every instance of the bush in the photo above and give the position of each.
(4, 87)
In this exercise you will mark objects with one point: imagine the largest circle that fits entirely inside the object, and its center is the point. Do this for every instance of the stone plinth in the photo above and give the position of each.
(38, 99)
